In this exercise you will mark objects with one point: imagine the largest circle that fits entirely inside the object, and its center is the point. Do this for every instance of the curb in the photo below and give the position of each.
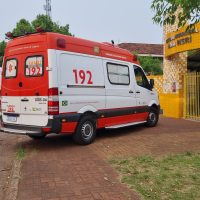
(12, 190)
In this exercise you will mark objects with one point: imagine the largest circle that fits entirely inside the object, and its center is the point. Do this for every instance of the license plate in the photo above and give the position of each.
(11, 118)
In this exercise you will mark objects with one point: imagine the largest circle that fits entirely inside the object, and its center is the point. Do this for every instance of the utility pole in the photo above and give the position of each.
(47, 8)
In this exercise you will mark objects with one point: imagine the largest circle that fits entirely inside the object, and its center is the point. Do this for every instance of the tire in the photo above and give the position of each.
(85, 131)
(153, 117)
(37, 137)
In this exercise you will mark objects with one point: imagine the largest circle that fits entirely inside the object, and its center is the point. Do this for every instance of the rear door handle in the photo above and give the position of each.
(24, 100)
(138, 92)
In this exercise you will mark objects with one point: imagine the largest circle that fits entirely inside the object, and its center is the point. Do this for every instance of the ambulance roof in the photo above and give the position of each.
(48, 40)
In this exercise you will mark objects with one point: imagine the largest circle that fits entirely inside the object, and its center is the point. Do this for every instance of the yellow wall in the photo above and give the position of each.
(172, 105)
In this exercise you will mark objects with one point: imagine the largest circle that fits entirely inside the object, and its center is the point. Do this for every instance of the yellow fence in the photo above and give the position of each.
(192, 96)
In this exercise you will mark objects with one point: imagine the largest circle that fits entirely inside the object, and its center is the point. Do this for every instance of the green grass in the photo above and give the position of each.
(21, 153)
(173, 177)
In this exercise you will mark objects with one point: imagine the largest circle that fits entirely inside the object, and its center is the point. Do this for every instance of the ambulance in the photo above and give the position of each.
(53, 83)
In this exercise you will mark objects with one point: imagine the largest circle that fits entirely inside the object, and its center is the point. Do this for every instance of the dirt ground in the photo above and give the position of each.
(8, 148)
(57, 169)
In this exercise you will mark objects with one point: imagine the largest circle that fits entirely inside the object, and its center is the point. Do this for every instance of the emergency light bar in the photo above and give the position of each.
(9, 35)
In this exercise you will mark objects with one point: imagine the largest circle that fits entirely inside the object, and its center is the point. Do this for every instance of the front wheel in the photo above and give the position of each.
(86, 131)
(153, 117)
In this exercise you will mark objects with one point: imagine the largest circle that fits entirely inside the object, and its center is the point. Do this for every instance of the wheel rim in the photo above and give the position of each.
(87, 130)
(152, 117)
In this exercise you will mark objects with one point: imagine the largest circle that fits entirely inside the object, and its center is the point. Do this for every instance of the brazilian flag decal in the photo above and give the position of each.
(64, 103)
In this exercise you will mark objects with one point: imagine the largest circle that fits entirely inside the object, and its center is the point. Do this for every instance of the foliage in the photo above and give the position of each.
(1, 61)
(43, 21)
(165, 11)
(2, 49)
(22, 27)
(21, 153)
(170, 177)
(151, 65)
(46, 23)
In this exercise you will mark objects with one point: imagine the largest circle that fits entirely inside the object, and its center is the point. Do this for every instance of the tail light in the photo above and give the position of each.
(53, 103)
(46, 129)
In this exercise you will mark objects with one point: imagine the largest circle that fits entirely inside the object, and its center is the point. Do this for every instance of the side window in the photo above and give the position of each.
(140, 77)
(34, 66)
(11, 68)
(118, 74)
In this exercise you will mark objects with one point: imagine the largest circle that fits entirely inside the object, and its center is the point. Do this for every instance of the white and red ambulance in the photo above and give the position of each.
(53, 83)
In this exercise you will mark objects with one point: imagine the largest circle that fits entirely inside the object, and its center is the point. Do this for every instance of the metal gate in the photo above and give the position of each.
(192, 96)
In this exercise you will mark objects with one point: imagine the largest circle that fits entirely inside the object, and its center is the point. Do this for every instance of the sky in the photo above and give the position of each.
(98, 20)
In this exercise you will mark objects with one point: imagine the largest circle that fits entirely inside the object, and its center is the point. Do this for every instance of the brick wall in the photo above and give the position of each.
(174, 66)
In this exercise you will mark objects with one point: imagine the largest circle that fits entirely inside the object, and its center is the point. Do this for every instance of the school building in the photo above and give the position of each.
(179, 87)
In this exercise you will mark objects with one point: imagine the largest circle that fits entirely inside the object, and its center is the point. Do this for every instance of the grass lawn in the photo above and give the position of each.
(173, 177)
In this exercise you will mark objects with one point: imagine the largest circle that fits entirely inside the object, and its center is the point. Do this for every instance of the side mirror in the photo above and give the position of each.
(151, 83)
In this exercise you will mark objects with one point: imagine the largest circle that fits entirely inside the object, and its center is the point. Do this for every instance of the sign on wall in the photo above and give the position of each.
(182, 40)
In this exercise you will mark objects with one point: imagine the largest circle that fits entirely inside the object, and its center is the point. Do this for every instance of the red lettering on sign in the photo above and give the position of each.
(34, 71)
(81, 77)
(76, 77)
(90, 77)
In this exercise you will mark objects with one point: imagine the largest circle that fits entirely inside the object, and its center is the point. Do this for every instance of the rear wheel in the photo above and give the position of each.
(153, 117)
(86, 131)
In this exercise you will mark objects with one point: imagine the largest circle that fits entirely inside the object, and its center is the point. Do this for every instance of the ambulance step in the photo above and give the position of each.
(125, 125)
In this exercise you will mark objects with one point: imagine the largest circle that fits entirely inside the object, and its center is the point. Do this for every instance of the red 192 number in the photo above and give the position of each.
(82, 76)
(34, 71)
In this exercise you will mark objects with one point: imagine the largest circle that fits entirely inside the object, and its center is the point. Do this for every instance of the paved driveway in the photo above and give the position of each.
(57, 169)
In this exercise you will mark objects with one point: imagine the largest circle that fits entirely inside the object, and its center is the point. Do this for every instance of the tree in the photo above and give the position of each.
(22, 27)
(61, 29)
(43, 21)
(151, 65)
(46, 23)
(2, 49)
(165, 12)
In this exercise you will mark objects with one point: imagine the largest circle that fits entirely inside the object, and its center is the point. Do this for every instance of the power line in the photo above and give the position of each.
(47, 8)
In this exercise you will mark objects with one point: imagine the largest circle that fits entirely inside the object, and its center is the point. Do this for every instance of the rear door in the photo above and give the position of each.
(11, 91)
(25, 90)
(34, 90)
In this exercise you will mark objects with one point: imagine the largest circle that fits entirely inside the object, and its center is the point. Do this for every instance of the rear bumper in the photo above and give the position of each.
(54, 126)
(20, 129)
(19, 132)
